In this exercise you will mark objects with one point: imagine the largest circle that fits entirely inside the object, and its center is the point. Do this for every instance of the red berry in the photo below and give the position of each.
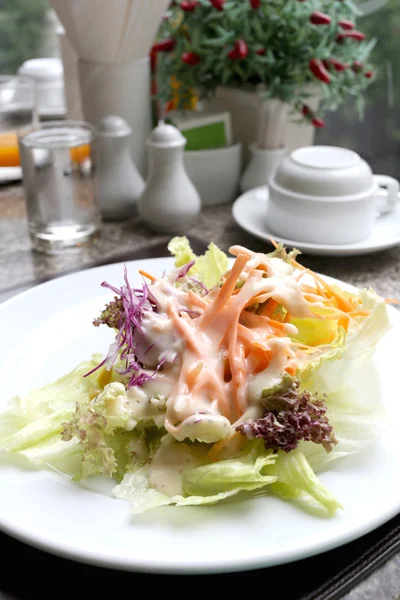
(164, 46)
(319, 71)
(189, 6)
(318, 122)
(346, 24)
(261, 51)
(153, 60)
(190, 58)
(357, 66)
(369, 74)
(358, 36)
(306, 110)
(255, 4)
(337, 65)
(240, 50)
(218, 4)
(320, 18)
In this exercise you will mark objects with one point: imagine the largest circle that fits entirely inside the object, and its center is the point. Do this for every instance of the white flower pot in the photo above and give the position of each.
(245, 108)
(215, 173)
(262, 165)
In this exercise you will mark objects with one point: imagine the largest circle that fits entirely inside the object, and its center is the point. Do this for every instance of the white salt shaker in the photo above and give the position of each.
(170, 203)
(119, 182)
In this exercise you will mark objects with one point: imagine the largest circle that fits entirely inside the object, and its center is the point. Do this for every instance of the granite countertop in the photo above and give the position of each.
(21, 268)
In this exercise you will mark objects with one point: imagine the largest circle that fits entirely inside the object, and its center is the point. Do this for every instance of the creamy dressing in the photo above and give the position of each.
(168, 465)
(207, 383)
(282, 355)
(158, 340)
(144, 403)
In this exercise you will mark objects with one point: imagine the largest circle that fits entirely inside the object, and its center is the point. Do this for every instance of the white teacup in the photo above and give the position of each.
(327, 195)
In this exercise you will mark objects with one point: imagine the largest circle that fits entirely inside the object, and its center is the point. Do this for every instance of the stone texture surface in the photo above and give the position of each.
(21, 268)
(19, 265)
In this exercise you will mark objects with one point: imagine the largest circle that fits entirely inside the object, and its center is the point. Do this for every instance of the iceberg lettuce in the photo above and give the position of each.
(208, 268)
(134, 488)
(295, 477)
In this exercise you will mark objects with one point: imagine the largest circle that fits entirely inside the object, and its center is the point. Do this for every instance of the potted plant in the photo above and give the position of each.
(294, 61)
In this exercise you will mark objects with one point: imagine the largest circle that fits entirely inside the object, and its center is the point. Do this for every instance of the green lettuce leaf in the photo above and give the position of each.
(324, 372)
(101, 428)
(181, 249)
(134, 488)
(205, 484)
(32, 419)
(357, 421)
(295, 477)
(315, 332)
(208, 268)
(242, 473)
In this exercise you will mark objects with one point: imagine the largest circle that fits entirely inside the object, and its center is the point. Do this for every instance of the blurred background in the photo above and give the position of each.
(28, 28)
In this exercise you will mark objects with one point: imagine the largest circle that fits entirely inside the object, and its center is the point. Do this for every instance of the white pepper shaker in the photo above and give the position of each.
(170, 203)
(119, 182)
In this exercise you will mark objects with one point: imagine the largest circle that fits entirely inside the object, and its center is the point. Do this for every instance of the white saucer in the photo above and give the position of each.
(10, 174)
(249, 212)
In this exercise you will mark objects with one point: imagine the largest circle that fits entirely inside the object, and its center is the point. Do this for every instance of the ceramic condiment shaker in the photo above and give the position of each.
(170, 203)
(119, 182)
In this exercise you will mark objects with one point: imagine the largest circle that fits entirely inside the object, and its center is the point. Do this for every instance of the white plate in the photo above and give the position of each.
(45, 333)
(9, 174)
(249, 212)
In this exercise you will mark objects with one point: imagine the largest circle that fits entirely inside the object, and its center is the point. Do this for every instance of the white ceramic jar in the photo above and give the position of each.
(47, 73)
(119, 183)
(327, 195)
(170, 203)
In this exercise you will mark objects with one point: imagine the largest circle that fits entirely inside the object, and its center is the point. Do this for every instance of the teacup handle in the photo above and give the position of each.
(389, 196)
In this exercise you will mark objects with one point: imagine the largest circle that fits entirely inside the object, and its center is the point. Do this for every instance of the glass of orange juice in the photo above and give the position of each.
(17, 113)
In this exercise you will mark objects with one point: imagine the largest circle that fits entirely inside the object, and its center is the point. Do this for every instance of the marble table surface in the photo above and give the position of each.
(20, 268)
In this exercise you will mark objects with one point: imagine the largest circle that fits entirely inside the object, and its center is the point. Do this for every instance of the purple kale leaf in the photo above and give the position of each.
(111, 315)
(291, 415)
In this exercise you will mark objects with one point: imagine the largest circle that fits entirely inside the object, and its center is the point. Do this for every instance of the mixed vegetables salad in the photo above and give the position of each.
(221, 379)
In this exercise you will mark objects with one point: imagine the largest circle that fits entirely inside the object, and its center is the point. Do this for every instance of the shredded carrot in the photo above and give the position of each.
(219, 446)
(392, 301)
(343, 303)
(270, 307)
(187, 333)
(147, 275)
(304, 272)
(276, 324)
(291, 370)
(360, 313)
(196, 300)
(344, 322)
(244, 342)
(193, 374)
(226, 291)
(309, 289)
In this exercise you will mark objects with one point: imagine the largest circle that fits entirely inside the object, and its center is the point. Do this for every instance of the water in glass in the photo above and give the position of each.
(59, 186)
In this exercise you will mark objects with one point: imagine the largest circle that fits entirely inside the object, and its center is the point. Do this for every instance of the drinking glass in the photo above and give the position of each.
(57, 160)
(17, 112)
